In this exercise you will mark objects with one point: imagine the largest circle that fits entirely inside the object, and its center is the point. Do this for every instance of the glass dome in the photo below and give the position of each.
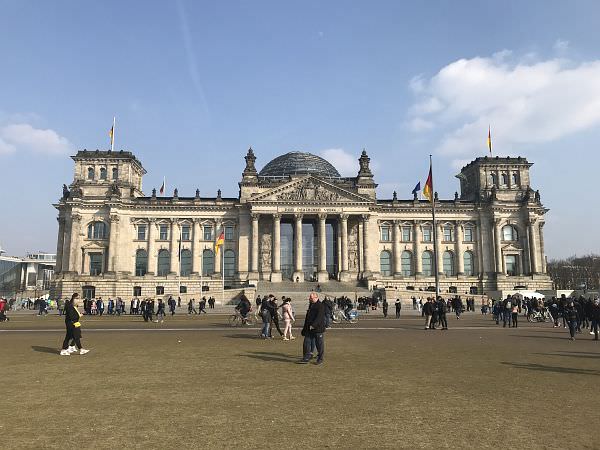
(295, 163)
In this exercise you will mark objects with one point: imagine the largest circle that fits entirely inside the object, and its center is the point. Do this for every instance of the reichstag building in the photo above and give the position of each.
(295, 220)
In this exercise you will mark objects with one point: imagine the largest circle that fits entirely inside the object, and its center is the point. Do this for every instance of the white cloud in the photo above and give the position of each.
(526, 102)
(22, 136)
(6, 148)
(561, 46)
(346, 163)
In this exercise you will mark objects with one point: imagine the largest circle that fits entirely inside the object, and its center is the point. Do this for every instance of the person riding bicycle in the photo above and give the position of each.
(348, 308)
(243, 307)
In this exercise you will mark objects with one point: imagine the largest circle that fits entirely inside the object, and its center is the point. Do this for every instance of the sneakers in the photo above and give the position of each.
(591, 332)
(83, 351)
(72, 349)
(65, 353)
(285, 339)
(292, 338)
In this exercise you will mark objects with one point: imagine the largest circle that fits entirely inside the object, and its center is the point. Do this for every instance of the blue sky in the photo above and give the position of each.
(193, 84)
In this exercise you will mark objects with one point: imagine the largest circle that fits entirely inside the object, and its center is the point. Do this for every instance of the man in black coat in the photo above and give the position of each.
(313, 329)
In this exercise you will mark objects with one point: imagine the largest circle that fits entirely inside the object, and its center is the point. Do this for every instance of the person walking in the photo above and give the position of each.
(313, 330)
(73, 327)
(428, 312)
(570, 314)
(442, 308)
(398, 306)
(160, 312)
(265, 314)
(384, 307)
(288, 319)
(595, 314)
(515, 315)
(192, 307)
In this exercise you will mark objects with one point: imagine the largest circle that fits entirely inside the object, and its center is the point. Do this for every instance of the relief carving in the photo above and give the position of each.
(309, 192)
(353, 247)
(265, 247)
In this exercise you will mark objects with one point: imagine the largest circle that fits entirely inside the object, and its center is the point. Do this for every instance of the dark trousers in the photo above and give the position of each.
(443, 321)
(514, 319)
(594, 328)
(74, 334)
(275, 320)
(398, 313)
(572, 325)
(312, 340)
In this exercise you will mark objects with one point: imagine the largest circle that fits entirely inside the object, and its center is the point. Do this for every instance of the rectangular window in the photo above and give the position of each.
(137, 291)
(141, 232)
(208, 233)
(427, 234)
(385, 233)
(229, 233)
(406, 234)
(95, 263)
(160, 290)
(185, 233)
(511, 265)
(468, 234)
(448, 234)
(183, 289)
(163, 234)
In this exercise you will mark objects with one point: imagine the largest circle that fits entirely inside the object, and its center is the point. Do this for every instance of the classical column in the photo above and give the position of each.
(440, 252)
(343, 221)
(75, 247)
(196, 249)
(397, 259)
(276, 249)
(498, 246)
(152, 257)
(174, 247)
(60, 244)
(481, 258)
(338, 245)
(542, 250)
(460, 260)
(298, 273)
(322, 275)
(113, 244)
(533, 247)
(417, 248)
(254, 256)
(366, 246)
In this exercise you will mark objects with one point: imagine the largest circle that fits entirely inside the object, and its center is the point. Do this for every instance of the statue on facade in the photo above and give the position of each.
(250, 168)
(66, 193)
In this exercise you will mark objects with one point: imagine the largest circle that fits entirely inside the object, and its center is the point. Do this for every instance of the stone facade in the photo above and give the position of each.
(298, 220)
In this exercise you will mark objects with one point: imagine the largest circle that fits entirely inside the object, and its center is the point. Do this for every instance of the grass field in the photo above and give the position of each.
(385, 384)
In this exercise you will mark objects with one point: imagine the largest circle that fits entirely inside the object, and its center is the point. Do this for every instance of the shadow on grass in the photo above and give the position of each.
(242, 336)
(556, 369)
(37, 348)
(587, 355)
(269, 356)
(565, 337)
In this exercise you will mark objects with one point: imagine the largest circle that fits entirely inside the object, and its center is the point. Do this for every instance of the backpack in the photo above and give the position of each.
(508, 305)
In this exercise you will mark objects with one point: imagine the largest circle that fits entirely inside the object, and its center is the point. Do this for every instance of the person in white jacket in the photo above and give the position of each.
(288, 319)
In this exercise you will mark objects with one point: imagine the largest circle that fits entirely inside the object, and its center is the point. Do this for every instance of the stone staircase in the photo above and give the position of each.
(300, 291)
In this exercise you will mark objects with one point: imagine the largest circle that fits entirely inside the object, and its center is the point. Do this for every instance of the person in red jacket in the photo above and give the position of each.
(73, 327)
(2, 309)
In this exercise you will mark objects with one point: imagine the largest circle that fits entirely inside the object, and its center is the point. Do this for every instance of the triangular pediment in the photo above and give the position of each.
(511, 248)
(309, 190)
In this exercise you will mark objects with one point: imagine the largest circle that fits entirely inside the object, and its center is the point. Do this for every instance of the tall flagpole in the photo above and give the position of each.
(222, 274)
(435, 241)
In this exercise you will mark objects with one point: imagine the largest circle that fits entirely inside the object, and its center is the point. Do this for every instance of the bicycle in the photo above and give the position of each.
(340, 316)
(236, 320)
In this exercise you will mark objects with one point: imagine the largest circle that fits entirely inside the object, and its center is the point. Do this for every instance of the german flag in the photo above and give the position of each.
(220, 241)
(489, 141)
(428, 189)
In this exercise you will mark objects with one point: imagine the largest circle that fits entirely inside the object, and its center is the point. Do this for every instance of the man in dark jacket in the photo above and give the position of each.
(595, 314)
(313, 329)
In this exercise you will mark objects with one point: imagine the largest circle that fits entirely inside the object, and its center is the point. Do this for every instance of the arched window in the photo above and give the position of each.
(406, 263)
(385, 262)
(427, 262)
(509, 233)
(90, 173)
(185, 262)
(208, 262)
(164, 263)
(103, 173)
(115, 173)
(515, 179)
(229, 263)
(448, 262)
(97, 230)
(494, 179)
(468, 263)
(141, 263)
(504, 179)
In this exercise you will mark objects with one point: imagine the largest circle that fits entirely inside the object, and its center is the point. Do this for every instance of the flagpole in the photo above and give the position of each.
(222, 274)
(435, 249)
(179, 258)
(112, 141)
